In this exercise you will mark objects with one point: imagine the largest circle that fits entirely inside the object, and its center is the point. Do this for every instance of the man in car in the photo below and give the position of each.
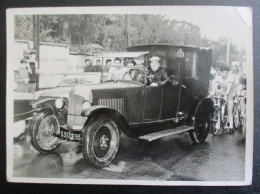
(227, 84)
(157, 76)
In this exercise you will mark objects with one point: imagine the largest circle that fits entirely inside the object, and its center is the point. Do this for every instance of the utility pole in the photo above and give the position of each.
(36, 40)
(228, 51)
(126, 31)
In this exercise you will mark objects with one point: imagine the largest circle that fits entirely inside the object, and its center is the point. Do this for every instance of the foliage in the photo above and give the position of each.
(108, 31)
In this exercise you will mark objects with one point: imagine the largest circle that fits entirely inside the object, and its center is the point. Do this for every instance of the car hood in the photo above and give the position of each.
(112, 85)
(64, 91)
(54, 92)
(104, 90)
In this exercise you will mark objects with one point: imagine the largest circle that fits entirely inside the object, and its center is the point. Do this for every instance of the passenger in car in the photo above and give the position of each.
(157, 76)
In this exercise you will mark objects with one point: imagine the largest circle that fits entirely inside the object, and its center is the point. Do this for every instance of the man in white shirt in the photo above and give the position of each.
(227, 84)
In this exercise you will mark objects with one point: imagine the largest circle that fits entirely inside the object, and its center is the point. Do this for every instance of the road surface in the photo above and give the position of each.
(173, 158)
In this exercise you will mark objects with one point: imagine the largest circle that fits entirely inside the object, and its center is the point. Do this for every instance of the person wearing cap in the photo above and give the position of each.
(22, 77)
(157, 76)
(89, 67)
(33, 69)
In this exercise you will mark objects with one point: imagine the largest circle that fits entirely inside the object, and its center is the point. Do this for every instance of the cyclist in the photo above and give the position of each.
(227, 89)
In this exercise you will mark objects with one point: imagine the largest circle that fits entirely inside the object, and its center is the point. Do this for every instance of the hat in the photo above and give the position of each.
(155, 58)
(235, 63)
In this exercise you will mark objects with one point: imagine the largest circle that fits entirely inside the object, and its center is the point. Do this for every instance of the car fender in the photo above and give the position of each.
(37, 103)
(206, 103)
(114, 114)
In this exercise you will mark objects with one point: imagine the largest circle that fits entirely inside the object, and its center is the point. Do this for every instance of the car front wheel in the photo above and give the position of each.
(43, 128)
(100, 141)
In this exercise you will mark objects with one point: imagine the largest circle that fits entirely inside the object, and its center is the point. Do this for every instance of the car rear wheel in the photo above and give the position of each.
(43, 128)
(202, 126)
(100, 141)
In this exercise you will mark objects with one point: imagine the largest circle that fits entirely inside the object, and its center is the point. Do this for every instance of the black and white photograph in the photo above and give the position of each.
(137, 95)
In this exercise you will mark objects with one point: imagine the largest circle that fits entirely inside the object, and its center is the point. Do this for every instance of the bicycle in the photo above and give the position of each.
(219, 118)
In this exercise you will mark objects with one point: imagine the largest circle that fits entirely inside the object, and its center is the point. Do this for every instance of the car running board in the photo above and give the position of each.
(160, 134)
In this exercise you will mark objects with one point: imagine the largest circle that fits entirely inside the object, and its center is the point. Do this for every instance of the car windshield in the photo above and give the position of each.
(72, 80)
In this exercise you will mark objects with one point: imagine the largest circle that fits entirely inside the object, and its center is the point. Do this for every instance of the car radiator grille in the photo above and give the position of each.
(114, 103)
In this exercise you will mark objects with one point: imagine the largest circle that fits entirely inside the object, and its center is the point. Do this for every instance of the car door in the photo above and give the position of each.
(152, 103)
(170, 101)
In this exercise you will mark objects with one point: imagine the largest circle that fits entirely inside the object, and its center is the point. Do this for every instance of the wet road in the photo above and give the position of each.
(173, 158)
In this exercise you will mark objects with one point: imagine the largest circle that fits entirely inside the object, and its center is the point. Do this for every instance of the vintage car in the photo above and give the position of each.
(96, 114)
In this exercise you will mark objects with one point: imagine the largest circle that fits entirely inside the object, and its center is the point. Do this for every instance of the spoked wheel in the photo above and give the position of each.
(100, 141)
(236, 117)
(215, 122)
(202, 126)
(43, 128)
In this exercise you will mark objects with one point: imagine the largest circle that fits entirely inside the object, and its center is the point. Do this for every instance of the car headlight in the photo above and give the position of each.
(86, 105)
(59, 103)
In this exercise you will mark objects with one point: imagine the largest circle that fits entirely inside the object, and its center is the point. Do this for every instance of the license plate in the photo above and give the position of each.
(70, 135)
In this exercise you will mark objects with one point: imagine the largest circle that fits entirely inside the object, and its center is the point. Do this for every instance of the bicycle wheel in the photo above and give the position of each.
(236, 117)
(215, 122)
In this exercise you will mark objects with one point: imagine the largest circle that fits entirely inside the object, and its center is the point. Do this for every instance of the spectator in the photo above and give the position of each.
(30, 47)
(22, 77)
(89, 67)
(98, 66)
(117, 62)
(130, 63)
(116, 72)
(33, 70)
(108, 62)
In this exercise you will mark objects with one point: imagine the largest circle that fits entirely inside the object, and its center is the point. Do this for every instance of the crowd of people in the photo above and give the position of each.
(26, 75)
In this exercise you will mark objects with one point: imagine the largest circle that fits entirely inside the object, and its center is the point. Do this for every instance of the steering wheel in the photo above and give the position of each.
(134, 74)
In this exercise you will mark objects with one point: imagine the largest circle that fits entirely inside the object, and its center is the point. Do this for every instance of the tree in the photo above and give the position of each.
(81, 31)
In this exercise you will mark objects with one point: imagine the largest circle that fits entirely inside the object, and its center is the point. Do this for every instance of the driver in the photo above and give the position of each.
(157, 76)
